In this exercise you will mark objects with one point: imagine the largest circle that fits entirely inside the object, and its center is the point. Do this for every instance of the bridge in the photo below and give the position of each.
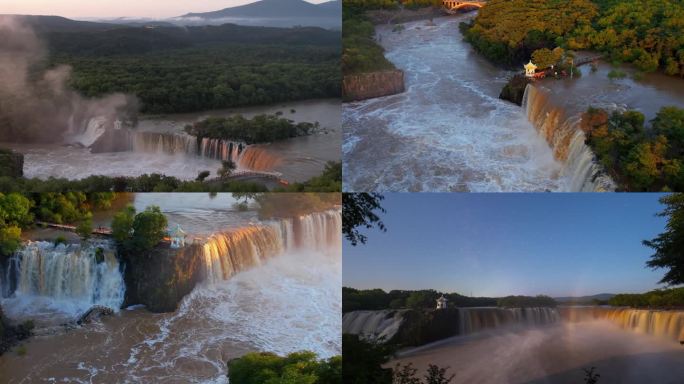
(453, 5)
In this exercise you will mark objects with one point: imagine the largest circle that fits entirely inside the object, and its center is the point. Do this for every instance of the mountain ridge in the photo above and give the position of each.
(275, 9)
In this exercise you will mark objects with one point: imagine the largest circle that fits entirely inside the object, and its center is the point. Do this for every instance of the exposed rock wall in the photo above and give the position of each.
(160, 279)
(374, 84)
(514, 90)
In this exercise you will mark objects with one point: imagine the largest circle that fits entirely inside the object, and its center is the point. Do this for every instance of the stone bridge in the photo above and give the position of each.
(453, 5)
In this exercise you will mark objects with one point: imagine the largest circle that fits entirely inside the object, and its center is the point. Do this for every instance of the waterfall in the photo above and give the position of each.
(567, 140)
(373, 325)
(69, 273)
(154, 142)
(473, 320)
(244, 156)
(660, 323)
(228, 253)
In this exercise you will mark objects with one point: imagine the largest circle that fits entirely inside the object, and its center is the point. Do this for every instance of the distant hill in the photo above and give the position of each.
(281, 13)
(584, 299)
(275, 9)
(62, 24)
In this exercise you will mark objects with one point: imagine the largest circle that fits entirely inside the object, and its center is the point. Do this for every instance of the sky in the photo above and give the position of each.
(117, 8)
(510, 244)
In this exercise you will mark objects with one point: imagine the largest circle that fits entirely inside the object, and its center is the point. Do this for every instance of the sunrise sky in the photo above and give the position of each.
(506, 243)
(117, 8)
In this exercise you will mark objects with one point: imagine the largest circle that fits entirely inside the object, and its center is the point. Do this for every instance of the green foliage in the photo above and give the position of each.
(21, 350)
(669, 253)
(659, 298)
(639, 158)
(60, 240)
(122, 224)
(144, 183)
(227, 168)
(526, 301)
(374, 299)
(359, 211)
(329, 181)
(364, 360)
(260, 129)
(203, 175)
(616, 74)
(361, 53)
(85, 226)
(15, 213)
(149, 229)
(188, 69)
(295, 368)
(507, 32)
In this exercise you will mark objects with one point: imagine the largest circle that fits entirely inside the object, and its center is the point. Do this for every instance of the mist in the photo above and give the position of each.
(36, 104)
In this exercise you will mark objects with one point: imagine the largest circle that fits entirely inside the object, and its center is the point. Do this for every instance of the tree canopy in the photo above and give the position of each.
(669, 245)
(359, 210)
(295, 368)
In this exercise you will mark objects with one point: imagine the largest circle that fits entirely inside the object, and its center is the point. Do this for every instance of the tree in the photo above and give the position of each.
(203, 175)
(85, 227)
(437, 375)
(122, 224)
(227, 169)
(669, 245)
(149, 228)
(364, 360)
(358, 210)
(15, 212)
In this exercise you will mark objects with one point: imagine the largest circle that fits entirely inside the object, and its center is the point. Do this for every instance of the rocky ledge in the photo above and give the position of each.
(514, 90)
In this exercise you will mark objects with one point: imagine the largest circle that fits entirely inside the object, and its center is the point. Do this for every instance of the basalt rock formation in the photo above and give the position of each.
(374, 84)
(159, 279)
(514, 90)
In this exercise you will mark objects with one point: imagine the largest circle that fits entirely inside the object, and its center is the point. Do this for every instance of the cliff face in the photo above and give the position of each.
(113, 140)
(11, 163)
(425, 326)
(514, 90)
(375, 84)
(160, 279)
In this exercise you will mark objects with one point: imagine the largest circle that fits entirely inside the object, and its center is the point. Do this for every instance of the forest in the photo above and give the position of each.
(20, 211)
(361, 54)
(374, 299)
(649, 34)
(173, 70)
(659, 298)
(259, 129)
(639, 158)
(298, 367)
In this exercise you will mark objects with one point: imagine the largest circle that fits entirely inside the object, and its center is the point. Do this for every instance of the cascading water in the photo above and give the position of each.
(244, 156)
(567, 141)
(664, 324)
(228, 253)
(69, 275)
(473, 320)
(374, 325)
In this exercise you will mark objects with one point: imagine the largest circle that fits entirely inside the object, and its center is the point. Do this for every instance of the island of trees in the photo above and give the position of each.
(260, 129)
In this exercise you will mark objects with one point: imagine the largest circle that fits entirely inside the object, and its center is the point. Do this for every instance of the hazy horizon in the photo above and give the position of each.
(497, 245)
(103, 9)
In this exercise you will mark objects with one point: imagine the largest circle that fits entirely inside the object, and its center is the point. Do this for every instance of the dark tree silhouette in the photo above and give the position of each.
(359, 211)
(669, 245)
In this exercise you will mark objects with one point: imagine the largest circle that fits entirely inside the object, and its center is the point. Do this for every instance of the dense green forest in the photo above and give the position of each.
(526, 301)
(174, 69)
(649, 34)
(298, 367)
(260, 129)
(361, 53)
(637, 157)
(20, 211)
(373, 299)
(659, 298)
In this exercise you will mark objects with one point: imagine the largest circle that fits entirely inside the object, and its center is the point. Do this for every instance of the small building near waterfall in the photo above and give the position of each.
(530, 69)
(442, 302)
(177, 236)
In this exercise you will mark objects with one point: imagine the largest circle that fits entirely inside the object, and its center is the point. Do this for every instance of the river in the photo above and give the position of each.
(288, 301)
(297, 159)
(450, 132)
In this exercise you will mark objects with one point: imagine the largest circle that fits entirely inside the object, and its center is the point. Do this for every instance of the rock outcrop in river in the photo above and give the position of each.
(514, 90)
(11, 334)
(160, 278)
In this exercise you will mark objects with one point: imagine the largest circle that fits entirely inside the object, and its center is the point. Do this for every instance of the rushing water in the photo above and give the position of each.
(270, 285)
(450, 132)
(159, 145)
